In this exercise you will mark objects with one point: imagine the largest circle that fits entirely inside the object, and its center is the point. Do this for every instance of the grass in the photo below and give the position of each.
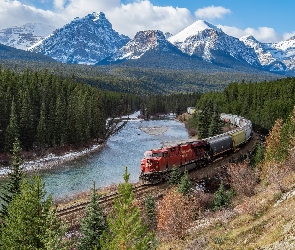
(264, 221)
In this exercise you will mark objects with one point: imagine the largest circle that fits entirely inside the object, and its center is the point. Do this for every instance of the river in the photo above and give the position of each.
(126, 148)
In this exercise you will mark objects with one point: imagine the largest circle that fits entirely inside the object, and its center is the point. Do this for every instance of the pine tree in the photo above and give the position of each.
(175, 176)
(150, 212)
(185, 185)
(41, 128)
(12, 130)
(55, 231)
(287, 134)
(15, 177)
(215, 125)
(93, 225)
(222, 198)
(125, 225)
(31, 224)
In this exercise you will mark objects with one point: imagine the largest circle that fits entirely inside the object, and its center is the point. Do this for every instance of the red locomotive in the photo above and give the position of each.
(157, 163)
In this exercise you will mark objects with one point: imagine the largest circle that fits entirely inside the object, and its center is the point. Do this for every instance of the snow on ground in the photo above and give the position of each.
(52, 160)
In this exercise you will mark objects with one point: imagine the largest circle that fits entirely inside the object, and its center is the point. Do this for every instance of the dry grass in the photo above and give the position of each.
(265, 220)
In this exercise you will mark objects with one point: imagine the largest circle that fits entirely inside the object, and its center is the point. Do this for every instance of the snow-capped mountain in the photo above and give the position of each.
(276, 57)
(25, 36)
(211, 43)
(86, 40)
(143, 42)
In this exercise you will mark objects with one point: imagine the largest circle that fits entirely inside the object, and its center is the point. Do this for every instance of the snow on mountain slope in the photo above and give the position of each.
(25, 36)
(192, 30)
(207, 41)
(85, 40)
(274, 56)
(142, 42)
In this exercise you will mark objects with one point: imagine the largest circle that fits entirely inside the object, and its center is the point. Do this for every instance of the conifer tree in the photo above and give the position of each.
(185, 185)
(15, 176)
(150, 212)
(55, 231)
(12, 130)
(215, 125)
(93, 225)
(126, 230)
(287, 134)
(41, 128)
(222, 198)
(31, 224)
(175, 176)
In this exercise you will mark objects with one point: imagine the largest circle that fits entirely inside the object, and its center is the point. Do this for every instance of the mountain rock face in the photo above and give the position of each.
(25, 36)
(275, 57)
(85, 40)
(144, 41)
(204, 40)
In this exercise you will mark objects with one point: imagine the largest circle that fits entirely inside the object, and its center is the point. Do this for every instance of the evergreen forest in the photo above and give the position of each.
(262, 103)
(44, 110)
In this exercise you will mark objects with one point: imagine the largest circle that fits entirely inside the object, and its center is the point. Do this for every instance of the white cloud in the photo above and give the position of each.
(126, 18)
(133, 17)
(288, 35)
(262, 34)
(58, 4)
(212, 12)
(14, 13)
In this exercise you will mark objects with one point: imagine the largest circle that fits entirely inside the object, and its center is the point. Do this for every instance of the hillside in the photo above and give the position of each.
(262, 221)
(129, 78)
(259, 214)
(10, 53)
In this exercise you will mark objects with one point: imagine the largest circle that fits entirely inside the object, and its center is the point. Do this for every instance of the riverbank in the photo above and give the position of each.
(52, 160)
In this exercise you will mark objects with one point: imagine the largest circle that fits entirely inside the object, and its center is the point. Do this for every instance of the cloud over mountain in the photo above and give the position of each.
(127, 18)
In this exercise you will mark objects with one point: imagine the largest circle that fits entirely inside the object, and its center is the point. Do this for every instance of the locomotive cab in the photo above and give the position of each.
(154, 160)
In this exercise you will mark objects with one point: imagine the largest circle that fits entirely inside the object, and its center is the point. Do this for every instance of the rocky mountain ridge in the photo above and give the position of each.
(207, 41)
(25, 36)
(276, 57)
(85, 40)
(91, 40)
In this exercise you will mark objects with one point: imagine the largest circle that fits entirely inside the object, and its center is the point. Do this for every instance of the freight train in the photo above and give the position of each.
(158, 163)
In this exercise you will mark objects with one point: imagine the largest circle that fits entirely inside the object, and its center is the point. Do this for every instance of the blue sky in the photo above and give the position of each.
(266, 20)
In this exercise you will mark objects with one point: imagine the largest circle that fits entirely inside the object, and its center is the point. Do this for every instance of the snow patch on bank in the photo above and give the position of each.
(52, 160)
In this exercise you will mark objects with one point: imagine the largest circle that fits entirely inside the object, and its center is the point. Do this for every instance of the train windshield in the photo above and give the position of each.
(150, 154)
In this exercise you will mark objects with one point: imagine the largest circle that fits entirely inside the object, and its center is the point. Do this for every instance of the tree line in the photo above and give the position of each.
(262, 102)
(43, 110)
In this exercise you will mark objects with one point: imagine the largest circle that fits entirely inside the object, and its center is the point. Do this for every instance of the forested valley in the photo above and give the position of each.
(43, 110)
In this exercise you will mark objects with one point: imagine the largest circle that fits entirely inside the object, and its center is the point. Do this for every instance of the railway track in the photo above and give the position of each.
(73, 213)
(104, 201)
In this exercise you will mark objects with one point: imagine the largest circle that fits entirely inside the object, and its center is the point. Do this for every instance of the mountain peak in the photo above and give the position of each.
(143, 42)
(192, 30)
(85, 40)
(248, 37)
(95, 16)
(291, 38)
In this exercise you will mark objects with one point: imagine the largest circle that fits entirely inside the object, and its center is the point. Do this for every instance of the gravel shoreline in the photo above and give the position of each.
(53, 161)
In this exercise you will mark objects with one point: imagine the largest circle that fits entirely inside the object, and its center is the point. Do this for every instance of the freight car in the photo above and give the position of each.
(157, 163)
